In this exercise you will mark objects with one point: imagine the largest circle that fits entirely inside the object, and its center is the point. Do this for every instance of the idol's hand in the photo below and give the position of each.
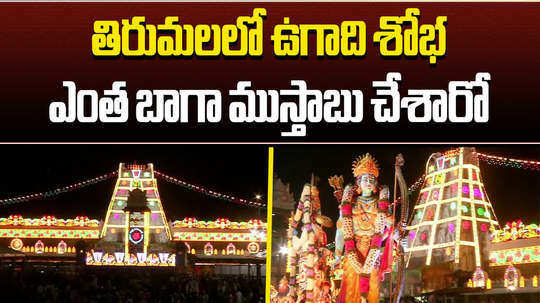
(384, 193)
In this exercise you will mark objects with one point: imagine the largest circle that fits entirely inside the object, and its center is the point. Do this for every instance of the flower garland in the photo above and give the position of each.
(348, 230)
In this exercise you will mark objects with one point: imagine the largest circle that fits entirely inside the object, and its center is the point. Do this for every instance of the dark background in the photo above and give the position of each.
(238, 170)
(42, 44)
(513, 192)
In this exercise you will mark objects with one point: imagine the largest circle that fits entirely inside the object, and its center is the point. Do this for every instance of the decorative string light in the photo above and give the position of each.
(508, 162)
(208, 192)
(58, 191)
(85, 183)
(417, 184)
(489, 159)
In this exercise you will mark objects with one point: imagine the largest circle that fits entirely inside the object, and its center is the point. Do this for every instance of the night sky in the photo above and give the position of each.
(239, 170)
(513, 192)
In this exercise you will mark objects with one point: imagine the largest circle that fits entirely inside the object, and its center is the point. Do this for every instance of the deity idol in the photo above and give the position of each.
(363, 224)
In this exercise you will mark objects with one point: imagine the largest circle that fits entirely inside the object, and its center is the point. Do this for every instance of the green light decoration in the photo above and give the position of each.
(480, 211)
(419, 214)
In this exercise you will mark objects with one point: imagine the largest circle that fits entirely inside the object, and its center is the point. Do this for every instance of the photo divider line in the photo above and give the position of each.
(269, 223)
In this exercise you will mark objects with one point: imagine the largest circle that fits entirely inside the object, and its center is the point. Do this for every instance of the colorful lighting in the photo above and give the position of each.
(456, 182)
(136, 235)
(477, 193)
(216, 236)
(39, 247)
(231, 249)
(479, 278)
(465, 189)
(18, 220)
(62, 247)
(483, 227)
(516, 230)
(511, 278)
(509, 162)
(522, 255)
(480, 211)
(208, 249)
(120, 259)
(253, 248)
(49, 233)
(16, 244)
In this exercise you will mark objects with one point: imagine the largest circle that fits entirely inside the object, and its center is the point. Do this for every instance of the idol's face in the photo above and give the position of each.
(367, 183)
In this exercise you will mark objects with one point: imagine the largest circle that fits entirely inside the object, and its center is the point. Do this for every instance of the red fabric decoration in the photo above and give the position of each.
(376, 241)
(349, 245)
(346, 209)
(386, 259)
(383, 205)
(364, 285)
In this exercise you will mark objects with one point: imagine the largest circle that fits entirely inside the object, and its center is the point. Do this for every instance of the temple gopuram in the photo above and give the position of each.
(456, 249)
(135, 232)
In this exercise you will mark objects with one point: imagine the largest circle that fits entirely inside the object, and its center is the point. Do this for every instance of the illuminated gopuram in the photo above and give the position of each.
(135, 232)
(118, 220)
(452, 218)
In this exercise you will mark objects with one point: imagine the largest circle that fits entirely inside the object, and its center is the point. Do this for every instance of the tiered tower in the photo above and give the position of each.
(453, 216)
(124, 221)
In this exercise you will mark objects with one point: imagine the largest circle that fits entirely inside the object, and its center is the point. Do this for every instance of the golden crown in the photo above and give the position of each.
(365, 165)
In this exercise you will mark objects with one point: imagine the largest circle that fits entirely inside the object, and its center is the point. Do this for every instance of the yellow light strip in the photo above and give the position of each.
(111, 203)
(146, 231)
(457, 239)
(425, 247)
(126, 234)
(475, 228)
(468, 200)
(435, 219)
(269, 224)
(156, 191)
(449, 219)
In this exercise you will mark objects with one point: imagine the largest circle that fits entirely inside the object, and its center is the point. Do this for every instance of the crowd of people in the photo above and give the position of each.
(132, 286)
